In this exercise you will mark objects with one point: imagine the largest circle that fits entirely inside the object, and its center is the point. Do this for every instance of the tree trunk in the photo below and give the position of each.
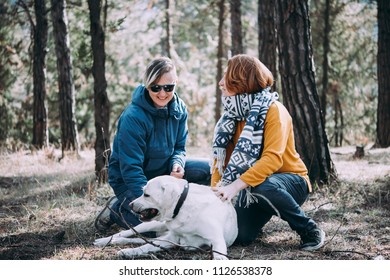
(236, 29)
(383, 113)
(167, 43)
(168, 28)
(267, 36)
(339, 127)
(220, 58)
(69, 135)
(101, 102)
(40, 128)
(338, 115)
(325, 62)
(299, 88)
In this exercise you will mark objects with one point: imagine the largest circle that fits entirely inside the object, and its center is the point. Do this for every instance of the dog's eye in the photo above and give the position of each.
(146, 195)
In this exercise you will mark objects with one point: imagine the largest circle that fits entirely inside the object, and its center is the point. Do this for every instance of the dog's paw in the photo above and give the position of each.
(127, 253)
(102, 242)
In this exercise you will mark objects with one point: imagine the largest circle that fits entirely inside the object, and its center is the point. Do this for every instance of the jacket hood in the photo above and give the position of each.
(141, 98)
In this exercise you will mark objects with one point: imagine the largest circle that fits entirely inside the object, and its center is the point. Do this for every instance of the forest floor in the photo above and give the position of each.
(47, 210)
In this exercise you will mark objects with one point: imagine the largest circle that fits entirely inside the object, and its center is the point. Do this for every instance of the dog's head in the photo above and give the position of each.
(159, 198)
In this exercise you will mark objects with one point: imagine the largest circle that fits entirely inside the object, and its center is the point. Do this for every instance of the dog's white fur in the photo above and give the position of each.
(202, 220)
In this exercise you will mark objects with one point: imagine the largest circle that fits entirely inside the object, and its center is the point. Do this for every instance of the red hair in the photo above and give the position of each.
(247, 74)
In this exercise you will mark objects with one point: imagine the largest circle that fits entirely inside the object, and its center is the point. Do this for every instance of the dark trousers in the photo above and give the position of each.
(280, 194)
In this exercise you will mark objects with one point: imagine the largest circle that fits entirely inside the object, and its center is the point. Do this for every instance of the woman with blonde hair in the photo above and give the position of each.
(255, 160)
(150, 141)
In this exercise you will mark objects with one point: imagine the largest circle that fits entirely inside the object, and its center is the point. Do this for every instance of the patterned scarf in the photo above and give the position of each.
(252, 108)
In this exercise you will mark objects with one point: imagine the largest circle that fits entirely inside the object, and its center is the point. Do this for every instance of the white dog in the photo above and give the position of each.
(181, 213)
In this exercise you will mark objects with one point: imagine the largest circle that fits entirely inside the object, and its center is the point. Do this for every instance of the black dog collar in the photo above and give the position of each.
(180, 202)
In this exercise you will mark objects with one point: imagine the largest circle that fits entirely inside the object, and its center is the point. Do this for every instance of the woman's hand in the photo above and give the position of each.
(228, 192)
(177, 171)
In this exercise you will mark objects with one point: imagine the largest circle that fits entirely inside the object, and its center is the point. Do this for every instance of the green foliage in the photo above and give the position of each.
(12, 80)
(6, 77)
(116, 25)
(353, 43)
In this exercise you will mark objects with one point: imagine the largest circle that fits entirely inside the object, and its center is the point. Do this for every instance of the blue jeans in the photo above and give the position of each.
(286, 192)
(195, 171)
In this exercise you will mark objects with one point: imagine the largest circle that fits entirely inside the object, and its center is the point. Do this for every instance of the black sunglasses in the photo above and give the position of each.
(167, 88)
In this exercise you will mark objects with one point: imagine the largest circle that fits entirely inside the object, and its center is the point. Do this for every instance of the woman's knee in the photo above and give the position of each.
(198, 171)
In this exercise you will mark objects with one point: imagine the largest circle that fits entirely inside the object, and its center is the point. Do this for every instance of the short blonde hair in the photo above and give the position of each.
(247, 74)
(156, 69)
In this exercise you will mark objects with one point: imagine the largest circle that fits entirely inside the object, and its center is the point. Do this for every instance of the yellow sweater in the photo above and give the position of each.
(279, 154)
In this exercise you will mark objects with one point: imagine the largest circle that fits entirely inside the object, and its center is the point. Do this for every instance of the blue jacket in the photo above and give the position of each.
(147, 143)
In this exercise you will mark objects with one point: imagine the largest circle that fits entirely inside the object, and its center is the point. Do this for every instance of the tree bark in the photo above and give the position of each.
(236, 27)
(168, 28)
(383, 57)
(69, 134)
(325, 61)
(338, 115)
(267, 35)
(40, 127)
(101, 102)
(220, 58)
(299, 88)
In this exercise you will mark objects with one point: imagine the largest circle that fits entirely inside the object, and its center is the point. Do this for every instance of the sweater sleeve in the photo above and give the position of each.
(179, 153)
(131, 148)
(276, 131)
(215, 176)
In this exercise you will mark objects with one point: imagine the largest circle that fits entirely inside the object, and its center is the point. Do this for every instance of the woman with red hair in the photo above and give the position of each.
(255, 161)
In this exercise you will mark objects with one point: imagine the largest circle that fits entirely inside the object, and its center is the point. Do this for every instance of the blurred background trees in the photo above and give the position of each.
(199, 36)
